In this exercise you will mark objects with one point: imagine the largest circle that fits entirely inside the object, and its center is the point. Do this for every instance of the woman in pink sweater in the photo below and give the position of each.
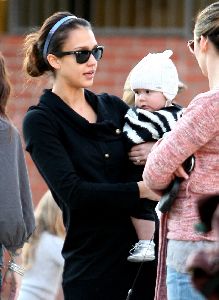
(197, 132)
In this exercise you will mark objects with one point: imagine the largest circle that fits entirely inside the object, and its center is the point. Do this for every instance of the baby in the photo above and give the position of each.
(155, 83)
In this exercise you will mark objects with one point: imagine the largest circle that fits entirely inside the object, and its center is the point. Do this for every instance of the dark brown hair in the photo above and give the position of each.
(5, 86)
(34, 63)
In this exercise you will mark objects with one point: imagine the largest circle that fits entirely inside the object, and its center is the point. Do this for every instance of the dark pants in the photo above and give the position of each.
(96, 290)
(117, 288)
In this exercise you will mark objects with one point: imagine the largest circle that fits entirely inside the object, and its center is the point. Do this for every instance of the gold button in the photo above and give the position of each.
(106, 155)
(118, 131)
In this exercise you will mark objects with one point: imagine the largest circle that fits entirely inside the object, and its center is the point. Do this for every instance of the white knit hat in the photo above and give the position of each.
(156, 72)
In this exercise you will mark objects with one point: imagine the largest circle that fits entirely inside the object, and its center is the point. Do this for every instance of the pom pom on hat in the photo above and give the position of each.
(156, 72)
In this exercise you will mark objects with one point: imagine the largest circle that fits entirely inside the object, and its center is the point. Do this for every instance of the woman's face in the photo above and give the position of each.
(72, 73)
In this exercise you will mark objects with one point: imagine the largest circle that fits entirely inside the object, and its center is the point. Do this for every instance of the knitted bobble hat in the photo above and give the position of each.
(156, 72)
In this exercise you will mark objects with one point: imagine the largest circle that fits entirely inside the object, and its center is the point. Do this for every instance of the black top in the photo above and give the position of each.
(85, 165)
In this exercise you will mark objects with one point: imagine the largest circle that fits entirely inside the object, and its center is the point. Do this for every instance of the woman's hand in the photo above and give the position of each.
(145, 192)
(18, 277)
(11, 284)
(139, 153)
(12, 278)
(180, 172)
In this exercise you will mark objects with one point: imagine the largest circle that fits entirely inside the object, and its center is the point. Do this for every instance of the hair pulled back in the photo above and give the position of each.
(34, 63)
(207, 24)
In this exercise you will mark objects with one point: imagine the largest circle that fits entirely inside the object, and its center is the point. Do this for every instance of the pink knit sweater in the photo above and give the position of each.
(197, 132)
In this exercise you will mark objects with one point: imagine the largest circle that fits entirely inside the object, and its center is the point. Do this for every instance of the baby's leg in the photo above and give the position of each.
(144, 228)
(144, 249)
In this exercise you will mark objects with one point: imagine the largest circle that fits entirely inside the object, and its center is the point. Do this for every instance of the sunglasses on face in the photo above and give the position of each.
(82, 56)
(190, 45)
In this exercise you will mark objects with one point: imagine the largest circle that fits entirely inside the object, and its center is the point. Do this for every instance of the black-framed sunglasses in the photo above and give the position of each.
(190, 45)
(82, 56)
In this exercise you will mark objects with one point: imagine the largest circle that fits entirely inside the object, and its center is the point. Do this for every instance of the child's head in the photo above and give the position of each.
(155, 81)
(48, 218)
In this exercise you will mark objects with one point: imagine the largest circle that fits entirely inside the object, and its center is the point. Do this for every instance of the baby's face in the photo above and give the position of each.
(149, 100)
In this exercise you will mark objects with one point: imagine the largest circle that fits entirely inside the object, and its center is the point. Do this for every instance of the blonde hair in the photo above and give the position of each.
(48, 218)
(128, 95)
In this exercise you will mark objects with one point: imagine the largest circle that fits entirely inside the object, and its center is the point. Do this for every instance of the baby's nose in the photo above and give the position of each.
(142, 96)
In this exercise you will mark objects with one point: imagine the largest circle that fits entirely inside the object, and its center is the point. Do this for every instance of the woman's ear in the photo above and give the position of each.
(53, 61)
(203, 43)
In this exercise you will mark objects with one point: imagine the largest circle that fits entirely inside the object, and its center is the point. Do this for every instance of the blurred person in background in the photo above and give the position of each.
(42, 258)
(16, 208)
(203, 264)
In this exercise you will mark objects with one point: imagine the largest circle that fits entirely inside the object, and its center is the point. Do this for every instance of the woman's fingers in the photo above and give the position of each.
(139, 153)
(180, 172)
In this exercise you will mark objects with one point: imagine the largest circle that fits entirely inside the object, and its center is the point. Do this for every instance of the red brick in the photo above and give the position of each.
(120, 55)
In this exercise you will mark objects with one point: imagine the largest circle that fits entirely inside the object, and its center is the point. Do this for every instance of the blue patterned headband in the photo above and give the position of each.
(51, 33)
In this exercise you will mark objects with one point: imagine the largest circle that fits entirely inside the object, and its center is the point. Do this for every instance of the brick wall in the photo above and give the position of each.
(121, 54)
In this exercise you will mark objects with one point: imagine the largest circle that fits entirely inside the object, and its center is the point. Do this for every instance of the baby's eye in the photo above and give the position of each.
(147, 91)
(136, 92)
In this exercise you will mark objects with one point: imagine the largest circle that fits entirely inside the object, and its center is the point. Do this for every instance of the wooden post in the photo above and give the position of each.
(3, 15)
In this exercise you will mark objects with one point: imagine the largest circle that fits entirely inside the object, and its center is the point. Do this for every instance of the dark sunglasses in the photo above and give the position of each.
(82, 56)
(190, 45)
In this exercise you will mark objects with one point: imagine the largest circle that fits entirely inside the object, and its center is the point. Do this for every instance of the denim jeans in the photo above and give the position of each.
(179, 286)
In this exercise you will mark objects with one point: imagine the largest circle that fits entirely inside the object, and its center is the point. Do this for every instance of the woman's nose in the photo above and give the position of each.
(91, 60)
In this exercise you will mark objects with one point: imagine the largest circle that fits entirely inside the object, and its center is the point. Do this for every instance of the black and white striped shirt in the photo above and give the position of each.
(143, 126)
